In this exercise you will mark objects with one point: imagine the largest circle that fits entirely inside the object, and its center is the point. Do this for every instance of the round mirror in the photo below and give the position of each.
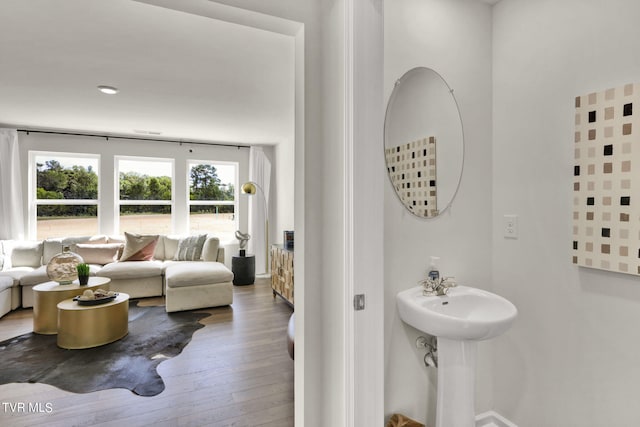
(423, 142)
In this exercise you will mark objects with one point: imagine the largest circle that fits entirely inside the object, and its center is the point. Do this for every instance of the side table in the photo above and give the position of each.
(244, 269)
(46, 297)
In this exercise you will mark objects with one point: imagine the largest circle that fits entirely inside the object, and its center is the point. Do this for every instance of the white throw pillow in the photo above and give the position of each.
(26, 254)
(210, 249)
(99, 254)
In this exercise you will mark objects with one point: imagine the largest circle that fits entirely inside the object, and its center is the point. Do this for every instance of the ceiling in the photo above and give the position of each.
(180, 75)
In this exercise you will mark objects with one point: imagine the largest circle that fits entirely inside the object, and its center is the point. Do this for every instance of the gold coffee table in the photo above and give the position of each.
(46, 297)
(86, 326)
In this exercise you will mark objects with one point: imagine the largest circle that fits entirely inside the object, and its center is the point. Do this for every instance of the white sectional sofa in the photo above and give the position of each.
(187, 285)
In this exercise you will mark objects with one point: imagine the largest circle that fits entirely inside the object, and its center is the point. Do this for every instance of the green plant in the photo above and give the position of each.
(83, 269)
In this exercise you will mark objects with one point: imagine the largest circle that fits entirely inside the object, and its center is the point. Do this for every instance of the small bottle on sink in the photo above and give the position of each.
(434, 273)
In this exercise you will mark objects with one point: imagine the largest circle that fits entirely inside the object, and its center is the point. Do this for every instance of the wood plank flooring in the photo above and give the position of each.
(235, 372)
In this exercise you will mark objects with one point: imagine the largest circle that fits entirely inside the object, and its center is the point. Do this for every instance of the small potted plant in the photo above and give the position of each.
(83, 273)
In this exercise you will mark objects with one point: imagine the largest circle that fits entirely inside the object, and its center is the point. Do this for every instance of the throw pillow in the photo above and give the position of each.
(26, 254)
(139, 247)
(190, 248)
(98, 254)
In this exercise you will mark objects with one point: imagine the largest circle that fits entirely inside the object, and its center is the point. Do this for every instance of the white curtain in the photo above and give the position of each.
(11, 212)
(260, 173)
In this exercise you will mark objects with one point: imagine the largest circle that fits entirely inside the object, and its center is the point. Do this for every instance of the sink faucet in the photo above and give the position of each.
(438, 286)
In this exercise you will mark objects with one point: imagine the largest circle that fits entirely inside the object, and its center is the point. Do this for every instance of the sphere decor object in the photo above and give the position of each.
(62, 267)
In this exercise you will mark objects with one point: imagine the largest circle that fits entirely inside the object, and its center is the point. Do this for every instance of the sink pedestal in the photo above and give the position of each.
(456, 383)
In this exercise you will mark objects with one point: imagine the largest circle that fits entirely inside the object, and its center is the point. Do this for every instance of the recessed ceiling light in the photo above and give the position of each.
(109, 90)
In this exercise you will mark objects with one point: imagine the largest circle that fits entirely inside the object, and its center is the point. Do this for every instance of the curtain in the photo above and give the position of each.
(260, 173)
(11, 212)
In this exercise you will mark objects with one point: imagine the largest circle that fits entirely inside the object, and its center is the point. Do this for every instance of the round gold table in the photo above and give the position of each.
(86, 326)
(46, 297)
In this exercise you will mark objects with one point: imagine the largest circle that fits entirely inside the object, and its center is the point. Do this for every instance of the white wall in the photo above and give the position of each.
(318, 366)
(572, 357)
(284, 186)
(453, 38)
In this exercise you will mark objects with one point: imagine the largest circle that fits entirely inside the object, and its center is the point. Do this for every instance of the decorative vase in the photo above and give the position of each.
(84, 280)
(62, 267)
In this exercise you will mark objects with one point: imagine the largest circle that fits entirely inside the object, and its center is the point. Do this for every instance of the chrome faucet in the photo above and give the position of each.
(438, 286)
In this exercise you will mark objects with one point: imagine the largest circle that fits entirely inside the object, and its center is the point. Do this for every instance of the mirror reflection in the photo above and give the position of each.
(424, 143)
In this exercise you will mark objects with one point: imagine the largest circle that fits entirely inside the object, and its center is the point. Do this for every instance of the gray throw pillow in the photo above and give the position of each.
(190, 248)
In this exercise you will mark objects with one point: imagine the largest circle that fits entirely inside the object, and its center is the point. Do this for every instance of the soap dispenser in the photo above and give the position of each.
(434, 273)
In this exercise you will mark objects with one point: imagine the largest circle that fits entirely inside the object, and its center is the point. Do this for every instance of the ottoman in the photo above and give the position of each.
(197, 284)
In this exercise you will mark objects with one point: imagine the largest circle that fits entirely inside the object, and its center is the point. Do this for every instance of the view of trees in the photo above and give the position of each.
(57, 182)
(205, 185)
(78, 182)
(135, 186)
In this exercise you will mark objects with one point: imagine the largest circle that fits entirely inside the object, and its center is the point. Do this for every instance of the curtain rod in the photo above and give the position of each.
(107, 137)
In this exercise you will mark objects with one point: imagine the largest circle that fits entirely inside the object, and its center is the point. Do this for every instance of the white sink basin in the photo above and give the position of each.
(463, 314)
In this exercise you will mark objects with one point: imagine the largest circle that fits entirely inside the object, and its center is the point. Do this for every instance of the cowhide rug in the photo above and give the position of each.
(154, 335)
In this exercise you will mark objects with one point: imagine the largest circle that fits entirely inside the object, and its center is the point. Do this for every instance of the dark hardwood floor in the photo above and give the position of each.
(235, 372)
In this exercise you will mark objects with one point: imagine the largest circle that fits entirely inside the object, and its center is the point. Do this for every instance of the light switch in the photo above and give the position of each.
(510, 226)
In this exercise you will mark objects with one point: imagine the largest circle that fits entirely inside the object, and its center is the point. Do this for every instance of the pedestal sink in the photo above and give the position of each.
(459, 320)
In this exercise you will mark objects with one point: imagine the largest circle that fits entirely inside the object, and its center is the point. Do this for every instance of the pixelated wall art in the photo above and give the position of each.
(606, 180)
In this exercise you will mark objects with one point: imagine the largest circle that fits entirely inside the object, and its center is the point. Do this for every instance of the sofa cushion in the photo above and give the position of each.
(181, 274)
(6, 282)
(25, 254)
(14, 280)
(210, 249)
(53, 247)
(35, 277)
(2, 256)
(131, 270)
(139, 247)
(16, 273)
(190, 248)
(94, 269)
(170, 246)
(98, 254)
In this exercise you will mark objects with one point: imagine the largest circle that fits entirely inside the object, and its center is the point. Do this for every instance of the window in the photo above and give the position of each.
(145, 201)
(212, 199)
(64, 194)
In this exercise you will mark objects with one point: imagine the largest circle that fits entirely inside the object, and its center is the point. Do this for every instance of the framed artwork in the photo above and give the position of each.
(606, 180)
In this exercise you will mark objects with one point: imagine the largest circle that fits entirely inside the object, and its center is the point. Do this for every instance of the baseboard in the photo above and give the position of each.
(493, 419)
